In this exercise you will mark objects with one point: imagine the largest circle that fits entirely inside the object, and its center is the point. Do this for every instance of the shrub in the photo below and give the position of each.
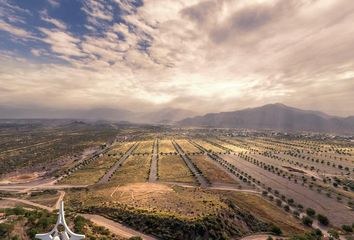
(276, 230)
(307, 221)
(296, 214)
(333, 234)
(287, 208)
(322, 219)
(5, 229)
(310, 212)
(347, 228)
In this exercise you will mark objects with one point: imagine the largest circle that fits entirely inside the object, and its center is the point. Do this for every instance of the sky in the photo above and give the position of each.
(198, 55)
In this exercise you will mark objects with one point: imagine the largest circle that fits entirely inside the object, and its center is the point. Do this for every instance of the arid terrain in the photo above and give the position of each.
(175, 183)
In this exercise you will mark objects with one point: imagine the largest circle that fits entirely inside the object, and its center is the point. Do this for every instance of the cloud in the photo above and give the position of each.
(14, 31)
(58, 24)
(204, 55)
(54, 3)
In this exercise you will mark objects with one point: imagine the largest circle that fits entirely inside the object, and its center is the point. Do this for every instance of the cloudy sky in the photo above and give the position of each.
(200, 55)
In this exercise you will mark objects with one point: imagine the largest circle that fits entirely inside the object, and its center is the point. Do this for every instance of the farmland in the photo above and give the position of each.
(151, 180)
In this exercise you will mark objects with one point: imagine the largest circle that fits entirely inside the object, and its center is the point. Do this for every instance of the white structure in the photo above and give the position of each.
(56, 234)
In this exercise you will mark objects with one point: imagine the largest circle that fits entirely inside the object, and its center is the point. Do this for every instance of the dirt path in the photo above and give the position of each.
(27, 202)
(111, 171)
(115, 227)
(60, 198)
(153, 167)
(200, 178)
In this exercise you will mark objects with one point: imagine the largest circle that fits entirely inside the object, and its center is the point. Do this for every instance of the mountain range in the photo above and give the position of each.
(271, 116)
(276, 117)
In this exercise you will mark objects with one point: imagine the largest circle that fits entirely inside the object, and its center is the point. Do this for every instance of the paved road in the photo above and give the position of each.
(111, 171)
(153, 167)
(200, 178)
(115, 227)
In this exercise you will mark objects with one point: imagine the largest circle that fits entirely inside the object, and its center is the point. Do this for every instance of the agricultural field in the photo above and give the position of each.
(120, 148)
(173, 169)
(145, 147)
(187, 146)
(209, 146)
(166, 146)
(134, 169)
(211, 171)
(336, 210)
(90, 173)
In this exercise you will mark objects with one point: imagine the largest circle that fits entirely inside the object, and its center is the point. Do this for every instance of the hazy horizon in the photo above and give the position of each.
(58, 57)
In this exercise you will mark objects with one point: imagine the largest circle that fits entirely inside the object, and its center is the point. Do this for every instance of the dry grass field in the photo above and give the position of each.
(187, 146)
(268, 212)
(166, 146)
(208, 146)
(120, 148)
(171, 168)
(134, 169)
(144, 147)
(211, 171)
(90, 173)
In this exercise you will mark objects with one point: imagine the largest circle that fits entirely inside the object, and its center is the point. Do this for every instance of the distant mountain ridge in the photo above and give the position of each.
(276, 117)
(160, 116)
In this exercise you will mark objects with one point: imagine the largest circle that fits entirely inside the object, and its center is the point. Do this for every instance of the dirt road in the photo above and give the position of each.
(115, 227)
(111, 171)
(153, 167)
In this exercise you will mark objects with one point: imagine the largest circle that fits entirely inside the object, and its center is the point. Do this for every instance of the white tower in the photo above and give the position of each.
(55, 234)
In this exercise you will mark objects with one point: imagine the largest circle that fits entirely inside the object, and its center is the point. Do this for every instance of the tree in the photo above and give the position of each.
(310, 212)
(322, 219)
(307, 221)
(276, 230)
